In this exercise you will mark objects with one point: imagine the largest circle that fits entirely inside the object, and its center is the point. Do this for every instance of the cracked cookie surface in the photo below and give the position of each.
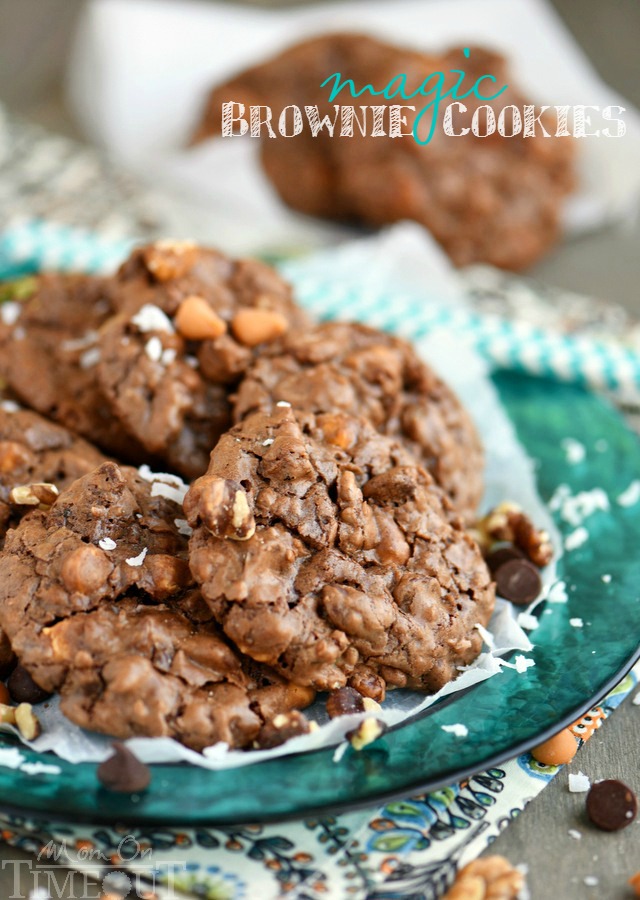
(325, 551)
(190, 324)
(351, 368)
(97, 600)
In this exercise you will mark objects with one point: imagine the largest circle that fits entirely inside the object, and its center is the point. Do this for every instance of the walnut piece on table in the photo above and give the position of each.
(489, 878)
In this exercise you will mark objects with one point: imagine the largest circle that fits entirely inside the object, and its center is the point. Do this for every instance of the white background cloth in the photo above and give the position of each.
(139, 73)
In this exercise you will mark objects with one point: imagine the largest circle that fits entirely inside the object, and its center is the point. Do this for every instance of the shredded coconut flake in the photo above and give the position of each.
(153, 349)
(575, 834)
(283, 403)
(38, 768)
(486, 636)
(10, 312)
(90, 358)
(576, 539)
(579, 784)
(107, 544)
(268, 442)
(574, 451)
(458, 730)
(558, 593)
(10, 406)
(576, 623)
(590, 880)
(168, 356)
(636, 699)
(606, 579)
(340, 751)
(160, 489)
(183, 527)
(87, 339)
(146, 473)
(527, 621)
(137, 560)
(152, 318)
(630, 496)
(11, 757)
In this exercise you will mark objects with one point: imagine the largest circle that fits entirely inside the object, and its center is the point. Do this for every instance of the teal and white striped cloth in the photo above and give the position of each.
(608, 364)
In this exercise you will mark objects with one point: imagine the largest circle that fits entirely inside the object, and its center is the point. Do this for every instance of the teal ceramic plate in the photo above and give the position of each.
(506, 715)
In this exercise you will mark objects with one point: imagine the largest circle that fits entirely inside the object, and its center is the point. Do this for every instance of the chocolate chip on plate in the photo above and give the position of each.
(611, 805)
(502, 555)
(23, 688)
(123, 772)
(518, 581)
(344, 702)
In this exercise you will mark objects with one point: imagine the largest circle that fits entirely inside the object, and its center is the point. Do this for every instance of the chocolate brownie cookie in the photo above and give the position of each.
(326, 552)
(358, 370)
(96, 597)
(38, 459)
(487, 199)
(191, 323)
(48, 356)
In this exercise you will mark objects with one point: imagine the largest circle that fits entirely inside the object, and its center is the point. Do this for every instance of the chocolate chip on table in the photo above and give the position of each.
(518, 581)
(611, 805)
(501, 555)
(123, 772)
(344, 702)
(23, 688)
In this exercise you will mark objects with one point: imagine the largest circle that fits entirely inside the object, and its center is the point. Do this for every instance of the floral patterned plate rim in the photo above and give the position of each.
(575, 665)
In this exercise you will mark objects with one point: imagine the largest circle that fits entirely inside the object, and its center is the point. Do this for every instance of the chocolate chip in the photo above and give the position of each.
(502, 555)
(281, 728)
(611, 805)
(518, 581)
(123, 772)
(344, 702)
(23, 688)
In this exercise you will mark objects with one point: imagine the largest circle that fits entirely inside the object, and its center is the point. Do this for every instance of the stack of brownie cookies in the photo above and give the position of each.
(317, 541)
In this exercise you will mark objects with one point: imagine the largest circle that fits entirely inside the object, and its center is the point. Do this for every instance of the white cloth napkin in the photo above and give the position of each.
(139, 73)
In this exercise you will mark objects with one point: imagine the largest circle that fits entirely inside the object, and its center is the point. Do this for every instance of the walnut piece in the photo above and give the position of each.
(488, 878)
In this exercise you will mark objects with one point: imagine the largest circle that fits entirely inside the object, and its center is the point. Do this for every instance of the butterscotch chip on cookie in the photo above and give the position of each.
(325, 551)
(98, 602)
(189, 324)
(354, 369)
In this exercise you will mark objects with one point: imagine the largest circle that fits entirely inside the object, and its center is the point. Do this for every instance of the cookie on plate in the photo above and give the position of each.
(191, 322)
(485, 198)
(351, 368)
(49, 352)
(97, 600)
(38, 459)
(325, 551)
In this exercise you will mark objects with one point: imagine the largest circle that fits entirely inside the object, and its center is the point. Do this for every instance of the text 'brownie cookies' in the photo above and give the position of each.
(326, 552)
(97, 600)
(191, 322)
(486, 198)
(350, 368)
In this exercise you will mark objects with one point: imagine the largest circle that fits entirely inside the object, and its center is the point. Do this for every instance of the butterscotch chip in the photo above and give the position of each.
(170, 259)
(196, 321)
(168, 361)
(558, 750)
(258, 326)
